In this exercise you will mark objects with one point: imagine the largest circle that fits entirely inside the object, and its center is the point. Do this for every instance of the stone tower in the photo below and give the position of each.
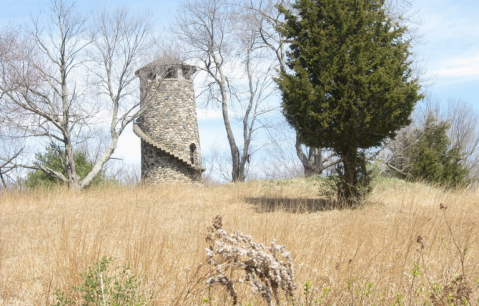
(168, 128)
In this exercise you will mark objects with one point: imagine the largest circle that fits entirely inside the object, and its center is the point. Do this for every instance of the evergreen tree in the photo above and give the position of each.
(53, 158)
(428, 155)
(351, 84)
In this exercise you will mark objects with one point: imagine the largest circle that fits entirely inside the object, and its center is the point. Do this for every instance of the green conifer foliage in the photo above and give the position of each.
(52, 159)
(428, 155)
(351, 83)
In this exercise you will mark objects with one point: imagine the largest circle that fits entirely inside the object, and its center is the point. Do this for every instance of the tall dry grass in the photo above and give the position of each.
(350, 256)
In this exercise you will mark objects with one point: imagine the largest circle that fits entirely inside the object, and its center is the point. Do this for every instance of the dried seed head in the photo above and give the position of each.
(266, 269)
(211, 281)
(218, 222)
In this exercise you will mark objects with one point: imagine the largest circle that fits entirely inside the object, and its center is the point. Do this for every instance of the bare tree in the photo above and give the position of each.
(218, 165)
(258, 70)
(464, 132)
(12, 150)
(224, 46)
(265, 18)
(71, 74)
(125, 173)
(11, 144)
(403, 12)
(282, 161)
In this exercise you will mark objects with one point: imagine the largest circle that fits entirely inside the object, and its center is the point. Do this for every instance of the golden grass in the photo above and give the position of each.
(47, 237)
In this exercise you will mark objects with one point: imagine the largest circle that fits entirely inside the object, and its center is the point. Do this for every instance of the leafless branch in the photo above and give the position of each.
(67, 73)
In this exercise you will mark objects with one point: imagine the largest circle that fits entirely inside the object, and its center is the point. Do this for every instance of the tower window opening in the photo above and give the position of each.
(171, 73)
(187, 72)
(151, 76)
(192, 153)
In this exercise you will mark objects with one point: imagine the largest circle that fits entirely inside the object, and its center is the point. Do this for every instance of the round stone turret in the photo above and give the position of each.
(168, 128)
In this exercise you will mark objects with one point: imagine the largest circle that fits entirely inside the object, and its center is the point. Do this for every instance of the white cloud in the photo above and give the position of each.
(463, 67)
(129, 147)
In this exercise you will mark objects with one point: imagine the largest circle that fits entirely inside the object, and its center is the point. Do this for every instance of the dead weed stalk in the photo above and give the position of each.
(235, 260)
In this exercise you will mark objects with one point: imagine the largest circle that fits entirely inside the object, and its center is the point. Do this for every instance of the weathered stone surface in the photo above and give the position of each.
(158, 167)
(170, 147)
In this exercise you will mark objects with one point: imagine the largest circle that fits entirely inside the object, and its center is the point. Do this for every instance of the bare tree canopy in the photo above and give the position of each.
(464, 132)
(69, 76)
(222, 42)
(264, 18)
(10, 144)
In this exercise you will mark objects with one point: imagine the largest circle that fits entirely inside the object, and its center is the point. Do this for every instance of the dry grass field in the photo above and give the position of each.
(363, 256)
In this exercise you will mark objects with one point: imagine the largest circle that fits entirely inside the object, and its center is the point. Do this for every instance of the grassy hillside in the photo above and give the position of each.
(369, 255)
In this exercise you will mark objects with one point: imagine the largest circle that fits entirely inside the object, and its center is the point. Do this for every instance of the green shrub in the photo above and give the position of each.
(103, 287)
(427, 154)
(53, 159)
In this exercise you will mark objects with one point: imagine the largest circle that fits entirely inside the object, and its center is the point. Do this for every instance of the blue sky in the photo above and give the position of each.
(451, 47)
(449, 53)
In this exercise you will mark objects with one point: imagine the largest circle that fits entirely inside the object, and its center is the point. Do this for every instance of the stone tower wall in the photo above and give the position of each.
(168, 128)
(171, 120)
(158, 167)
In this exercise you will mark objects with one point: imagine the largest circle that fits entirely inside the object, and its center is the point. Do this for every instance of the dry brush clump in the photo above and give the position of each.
(236, 259)
(363, 256)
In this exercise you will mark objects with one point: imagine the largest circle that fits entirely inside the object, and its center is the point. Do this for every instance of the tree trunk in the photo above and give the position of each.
(347, 190)
(235, 155)
(313, 163)
(236, 174)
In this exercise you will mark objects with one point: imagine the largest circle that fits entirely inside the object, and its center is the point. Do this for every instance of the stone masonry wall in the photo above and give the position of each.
(160, 168)
(170, 123)
(171, 120)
